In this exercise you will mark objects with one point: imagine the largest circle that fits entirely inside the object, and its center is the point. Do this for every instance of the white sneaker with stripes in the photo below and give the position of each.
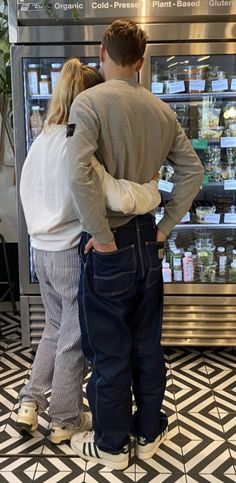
(145, 449)
(83, 444)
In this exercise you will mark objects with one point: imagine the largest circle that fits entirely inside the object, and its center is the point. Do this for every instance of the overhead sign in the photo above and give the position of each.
(142, 10)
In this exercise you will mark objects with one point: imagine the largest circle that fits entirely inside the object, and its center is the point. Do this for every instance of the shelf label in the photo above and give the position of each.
(220, 85)
(185, 218)
(175, 87)
(165, 185)
(212, 218)
(199, 143)
(230, 184)
(228, 142)
(233, 85)
(230, 218)
(157, 87)
(197, 85)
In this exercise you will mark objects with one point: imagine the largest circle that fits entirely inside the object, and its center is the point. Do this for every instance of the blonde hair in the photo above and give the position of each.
(73, 79)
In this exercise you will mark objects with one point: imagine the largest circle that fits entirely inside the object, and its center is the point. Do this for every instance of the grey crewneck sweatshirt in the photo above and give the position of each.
(132, 133)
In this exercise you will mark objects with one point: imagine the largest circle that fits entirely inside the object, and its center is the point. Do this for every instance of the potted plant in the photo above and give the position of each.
(6, 133)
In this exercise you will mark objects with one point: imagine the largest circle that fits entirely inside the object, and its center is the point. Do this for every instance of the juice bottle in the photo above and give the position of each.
(55, 72)
(188, 267)
(36, 122)
(166, 272)
(33, 79)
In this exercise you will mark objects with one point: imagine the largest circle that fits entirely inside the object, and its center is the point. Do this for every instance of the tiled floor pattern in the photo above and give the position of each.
(200, 402)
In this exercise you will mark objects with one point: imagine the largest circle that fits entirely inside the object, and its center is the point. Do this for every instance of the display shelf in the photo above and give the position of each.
(196, 95)
(39, 97)
(214, 226)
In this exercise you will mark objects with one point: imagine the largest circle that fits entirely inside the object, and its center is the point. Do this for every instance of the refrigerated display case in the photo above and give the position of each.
(198, 81)
(193, 68)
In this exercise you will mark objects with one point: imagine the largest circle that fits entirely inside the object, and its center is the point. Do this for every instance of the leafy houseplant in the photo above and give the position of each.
(5, 81)
(5, 72)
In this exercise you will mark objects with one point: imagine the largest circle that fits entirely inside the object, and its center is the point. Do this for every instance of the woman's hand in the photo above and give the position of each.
(156, 176)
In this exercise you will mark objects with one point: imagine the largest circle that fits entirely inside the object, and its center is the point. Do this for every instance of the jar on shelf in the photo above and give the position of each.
(36, 122)
(207, 273)
(33, 79)
(44, 85)
(55, 72)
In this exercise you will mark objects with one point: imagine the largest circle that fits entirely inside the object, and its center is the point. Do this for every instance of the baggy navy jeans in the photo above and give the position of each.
(120, 308)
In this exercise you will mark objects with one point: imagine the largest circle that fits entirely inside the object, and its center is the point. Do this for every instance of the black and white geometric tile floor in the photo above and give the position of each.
(200, 401)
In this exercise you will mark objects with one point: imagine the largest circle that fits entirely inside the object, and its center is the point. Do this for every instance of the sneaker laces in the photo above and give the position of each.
(88, 436)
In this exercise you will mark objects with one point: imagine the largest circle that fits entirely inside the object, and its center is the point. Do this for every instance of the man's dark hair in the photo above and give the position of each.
(124, 41)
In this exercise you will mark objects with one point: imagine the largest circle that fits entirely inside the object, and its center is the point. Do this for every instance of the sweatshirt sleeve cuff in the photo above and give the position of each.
(104, 236)
(166, 225)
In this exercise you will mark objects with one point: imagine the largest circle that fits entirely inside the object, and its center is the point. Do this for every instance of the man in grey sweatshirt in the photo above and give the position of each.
(121, 288)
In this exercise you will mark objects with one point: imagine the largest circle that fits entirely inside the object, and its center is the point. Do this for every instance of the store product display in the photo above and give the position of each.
(201, 261)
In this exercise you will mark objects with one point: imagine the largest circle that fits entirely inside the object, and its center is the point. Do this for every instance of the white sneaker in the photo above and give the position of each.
(27, 417)
(145, 449)
(60, 434)
(83, 445)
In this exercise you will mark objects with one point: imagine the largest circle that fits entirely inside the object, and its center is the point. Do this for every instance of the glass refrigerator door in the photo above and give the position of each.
(40, 76)
(201, 89)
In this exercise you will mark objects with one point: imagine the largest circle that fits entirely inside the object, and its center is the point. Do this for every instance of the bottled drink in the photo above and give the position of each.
(33, 79)
(166, 272)
(188, 267)
(36, 122)
(55, 72)
(44, 87)
(222, 261)
(178, 274)
(177, 265)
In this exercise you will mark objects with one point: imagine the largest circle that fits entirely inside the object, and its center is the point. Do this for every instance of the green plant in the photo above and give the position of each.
(5, 79)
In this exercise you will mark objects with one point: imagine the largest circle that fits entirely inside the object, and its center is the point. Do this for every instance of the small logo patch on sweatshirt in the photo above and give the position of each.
(70, 130)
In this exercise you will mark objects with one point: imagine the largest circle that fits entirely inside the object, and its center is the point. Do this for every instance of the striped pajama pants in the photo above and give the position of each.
(59, 363)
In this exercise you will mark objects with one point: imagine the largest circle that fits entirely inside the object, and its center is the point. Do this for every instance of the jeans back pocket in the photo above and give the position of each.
(114, 272)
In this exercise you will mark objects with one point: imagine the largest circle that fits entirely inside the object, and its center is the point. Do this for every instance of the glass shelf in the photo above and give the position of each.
(206, 226)
(196, 95)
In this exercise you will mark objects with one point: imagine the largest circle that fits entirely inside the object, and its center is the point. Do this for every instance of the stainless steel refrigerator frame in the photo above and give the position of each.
(194, 313)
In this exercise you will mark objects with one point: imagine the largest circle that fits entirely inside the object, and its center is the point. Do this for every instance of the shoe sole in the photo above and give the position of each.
(26, 426)
(58, 440)
(101, 461)
(147, 456)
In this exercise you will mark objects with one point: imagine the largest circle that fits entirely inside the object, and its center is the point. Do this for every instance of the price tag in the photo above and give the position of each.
(197, 85)
(157, 87)
(233, 85)
(185, 218)
(230, 218)
(165, 185)
(219, 85)
(228, 142)
(213, 218)
(199, 143)
(175, 87)
(230, 184)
